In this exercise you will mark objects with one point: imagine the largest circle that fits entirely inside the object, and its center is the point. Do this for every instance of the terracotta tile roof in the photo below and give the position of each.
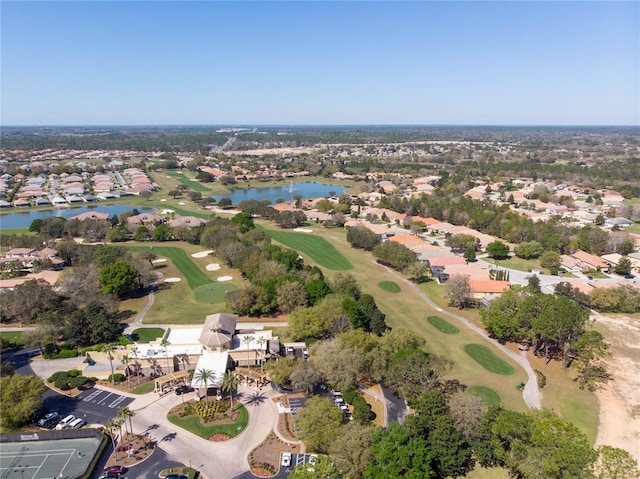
(488, 286)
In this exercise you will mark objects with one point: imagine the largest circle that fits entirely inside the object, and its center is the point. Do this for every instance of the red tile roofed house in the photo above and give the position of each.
(405, 239)
(473, 270)
(145, 219)
(590, 261)
(438, 264)
(285, 207)
(91, 215)
(487, 290)
(213, 171)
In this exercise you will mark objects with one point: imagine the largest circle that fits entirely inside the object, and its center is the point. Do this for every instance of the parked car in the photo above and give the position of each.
(65, 422)
(184, 389)
(629, 276)
(76, 424)
(176, 476)
(115, 470)
(49, 420)
(286, 459)
(39, 414)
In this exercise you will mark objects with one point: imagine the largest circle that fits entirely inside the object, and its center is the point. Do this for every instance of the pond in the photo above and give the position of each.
(307, 189)
(24, 218)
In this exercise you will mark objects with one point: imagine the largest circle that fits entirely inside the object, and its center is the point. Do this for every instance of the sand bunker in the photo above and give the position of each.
(163, 199)
(212, 267)
(166, 212)
(172, 280)
(202, 254)
(160, 260)
(225, 278)
(303, 230)
(182, 203)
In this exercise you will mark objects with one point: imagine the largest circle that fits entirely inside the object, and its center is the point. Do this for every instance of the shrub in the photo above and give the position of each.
(54, 377)
(349, 395)
(117, 377)
(68, 353)
(74, 373)
(542, 379)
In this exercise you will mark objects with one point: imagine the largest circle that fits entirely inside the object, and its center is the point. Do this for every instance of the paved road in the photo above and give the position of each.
(531, 393)
(214, 460)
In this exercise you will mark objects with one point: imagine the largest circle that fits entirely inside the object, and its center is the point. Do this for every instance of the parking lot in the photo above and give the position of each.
(95, 406)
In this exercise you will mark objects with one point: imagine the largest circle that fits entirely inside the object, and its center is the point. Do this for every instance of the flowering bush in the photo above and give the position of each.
(263, 470)
(218, 437)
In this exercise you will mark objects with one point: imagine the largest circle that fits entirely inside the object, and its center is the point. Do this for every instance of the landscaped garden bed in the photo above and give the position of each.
(264, 460)
(213, 420)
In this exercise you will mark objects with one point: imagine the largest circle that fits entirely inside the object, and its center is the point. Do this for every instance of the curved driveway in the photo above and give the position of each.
(212, 459)
(531, 393)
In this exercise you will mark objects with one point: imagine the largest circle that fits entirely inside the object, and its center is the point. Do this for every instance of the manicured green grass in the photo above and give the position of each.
(195, 277)
(316, 247)
(485, 357)
(14, 337)
(193, 424)
(389, 286)
(145, 335)
(442, 325)
(214, 293)
(192, 185)
(489, 395)
(516, 263)
(633, 229)
(144, 388)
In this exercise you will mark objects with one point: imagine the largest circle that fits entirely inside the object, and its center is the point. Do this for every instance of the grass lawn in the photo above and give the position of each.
(389, 286)
(194, 275)
(194, 425)
(12, 336)
(169, 295)
(214, 293)
(633, 229)
(442, 325)
(409, 311)
(188, 182)
(485, 357)
(316, 247)
(516, 263)
(144, 388)
(145, 335)
(490, 396)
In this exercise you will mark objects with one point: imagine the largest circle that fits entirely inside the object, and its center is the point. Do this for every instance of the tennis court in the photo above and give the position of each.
(50, 459)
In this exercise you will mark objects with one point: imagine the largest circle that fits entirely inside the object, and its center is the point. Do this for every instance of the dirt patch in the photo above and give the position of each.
(285, 421)
(266, 457)
(620, 398)
(131, 450)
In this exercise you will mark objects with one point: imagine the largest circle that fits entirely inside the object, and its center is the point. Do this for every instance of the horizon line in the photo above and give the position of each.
(319, 125)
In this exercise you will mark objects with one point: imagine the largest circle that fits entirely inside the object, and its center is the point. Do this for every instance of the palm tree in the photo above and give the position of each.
(111, 427)
(205, 376)
(230, 382)
(135, 351)
(125, 413)
(261, 342)
(108, 348)
(125, 360)
(164, 343)
(247, 340)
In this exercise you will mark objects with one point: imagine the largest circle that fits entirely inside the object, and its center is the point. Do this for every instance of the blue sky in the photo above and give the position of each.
(312, 63)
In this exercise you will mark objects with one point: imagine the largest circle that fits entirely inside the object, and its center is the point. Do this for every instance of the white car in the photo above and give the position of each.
(65, 422)
(76, 424)
(285, 461)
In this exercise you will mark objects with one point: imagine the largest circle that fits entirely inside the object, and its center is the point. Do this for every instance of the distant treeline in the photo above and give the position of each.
(198, 139)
